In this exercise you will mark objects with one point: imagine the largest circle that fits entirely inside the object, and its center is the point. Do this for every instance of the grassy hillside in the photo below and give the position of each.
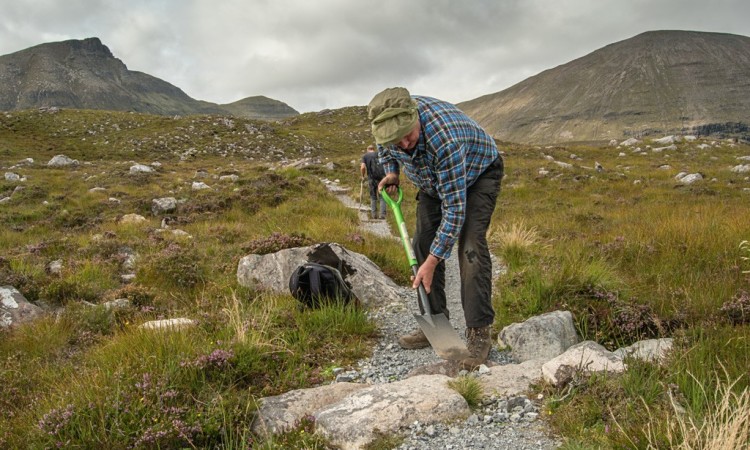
(629, 250)
(634, 254)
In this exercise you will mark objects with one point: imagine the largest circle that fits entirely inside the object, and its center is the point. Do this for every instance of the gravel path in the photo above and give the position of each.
(501, 423)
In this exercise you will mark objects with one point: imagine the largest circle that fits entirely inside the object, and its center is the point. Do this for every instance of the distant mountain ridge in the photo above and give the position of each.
(658, 82)
(85, 74)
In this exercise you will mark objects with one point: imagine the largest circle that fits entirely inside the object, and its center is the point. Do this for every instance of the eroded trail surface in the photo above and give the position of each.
(501, 423)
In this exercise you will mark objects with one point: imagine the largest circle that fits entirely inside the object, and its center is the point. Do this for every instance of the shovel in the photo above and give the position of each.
(439, 331)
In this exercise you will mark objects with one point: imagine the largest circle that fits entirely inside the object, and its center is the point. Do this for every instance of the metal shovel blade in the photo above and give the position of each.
(439, 331)
(443, 338)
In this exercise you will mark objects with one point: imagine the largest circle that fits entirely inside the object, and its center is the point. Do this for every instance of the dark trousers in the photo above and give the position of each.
(375, 199)
(473, 253)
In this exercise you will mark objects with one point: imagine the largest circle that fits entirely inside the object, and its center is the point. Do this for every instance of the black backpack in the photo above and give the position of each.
(313, 283)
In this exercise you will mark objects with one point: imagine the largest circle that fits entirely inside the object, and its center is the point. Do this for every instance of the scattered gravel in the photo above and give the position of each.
(499, 423)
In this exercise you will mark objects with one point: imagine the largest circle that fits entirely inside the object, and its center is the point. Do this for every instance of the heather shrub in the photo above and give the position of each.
(275, 242)
(614, 321)
(146, 411)
(139, 296)
(737, 310)
(176, 265)
(85, 319)
(87, 281)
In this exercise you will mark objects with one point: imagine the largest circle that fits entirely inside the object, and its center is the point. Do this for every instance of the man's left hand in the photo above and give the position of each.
(425, 273)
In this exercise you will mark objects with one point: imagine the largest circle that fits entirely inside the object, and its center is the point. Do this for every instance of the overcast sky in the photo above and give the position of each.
(318, 54)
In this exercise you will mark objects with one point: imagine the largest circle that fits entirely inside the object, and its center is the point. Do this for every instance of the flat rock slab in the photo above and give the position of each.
(357, 420)
(177, 324)
(587, 357)
(283, 412)
(511, 379)
(652, 350)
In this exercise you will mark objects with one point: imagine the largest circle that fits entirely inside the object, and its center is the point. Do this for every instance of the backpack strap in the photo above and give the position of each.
(342, 289)
(314, 283)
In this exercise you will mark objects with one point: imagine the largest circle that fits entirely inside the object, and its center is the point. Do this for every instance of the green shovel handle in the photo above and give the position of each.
(424, 301)
(395, 205)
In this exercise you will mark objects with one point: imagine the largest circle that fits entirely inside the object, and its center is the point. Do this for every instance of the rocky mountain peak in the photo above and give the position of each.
(84, 74)
(90, 46)
(658, 82)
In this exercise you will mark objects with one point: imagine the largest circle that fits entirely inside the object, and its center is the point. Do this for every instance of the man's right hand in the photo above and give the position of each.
(389, 183)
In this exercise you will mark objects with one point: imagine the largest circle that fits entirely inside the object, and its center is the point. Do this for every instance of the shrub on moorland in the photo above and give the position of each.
(275, 242)
(737, 310)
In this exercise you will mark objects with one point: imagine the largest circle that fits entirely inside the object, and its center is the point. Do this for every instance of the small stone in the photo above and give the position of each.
(120, 303)
(472, 420)
(344, 378)
(168, 324)
(132, 219)
(501, 417)
(55, 267)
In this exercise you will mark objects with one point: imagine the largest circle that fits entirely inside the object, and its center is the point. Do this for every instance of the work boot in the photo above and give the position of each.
(479, 343)
(413, 341)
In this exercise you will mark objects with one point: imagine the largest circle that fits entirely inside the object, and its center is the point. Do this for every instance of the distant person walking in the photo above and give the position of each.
(372, 168)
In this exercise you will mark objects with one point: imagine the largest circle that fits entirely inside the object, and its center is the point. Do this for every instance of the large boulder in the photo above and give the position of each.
(15, 309)
(282, 412)
(272, 271)
(357, 420)
(540, 337)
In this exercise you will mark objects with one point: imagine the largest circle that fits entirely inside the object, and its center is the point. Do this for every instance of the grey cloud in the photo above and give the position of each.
(334, 53)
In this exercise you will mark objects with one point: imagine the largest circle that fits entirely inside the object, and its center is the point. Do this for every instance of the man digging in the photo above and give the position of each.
(457, 169)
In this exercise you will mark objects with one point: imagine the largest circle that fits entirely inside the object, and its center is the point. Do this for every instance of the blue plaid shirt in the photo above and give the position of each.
(452, 152)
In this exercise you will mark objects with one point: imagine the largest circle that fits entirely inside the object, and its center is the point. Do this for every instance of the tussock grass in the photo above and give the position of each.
(725, 427)
(469, 388)
(514, 241)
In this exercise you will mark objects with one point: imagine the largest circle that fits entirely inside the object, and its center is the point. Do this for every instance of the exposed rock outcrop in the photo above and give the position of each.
(273, 271)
